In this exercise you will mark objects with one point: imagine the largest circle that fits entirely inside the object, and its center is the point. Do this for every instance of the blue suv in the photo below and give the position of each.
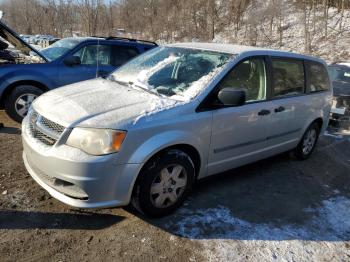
(27, 74)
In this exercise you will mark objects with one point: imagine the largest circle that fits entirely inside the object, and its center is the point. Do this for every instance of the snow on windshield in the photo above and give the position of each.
(179, 73)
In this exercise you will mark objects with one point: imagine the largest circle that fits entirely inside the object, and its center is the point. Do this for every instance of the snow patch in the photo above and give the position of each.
(145, 74)
(330, 221)
(218, 231)
(198, 86)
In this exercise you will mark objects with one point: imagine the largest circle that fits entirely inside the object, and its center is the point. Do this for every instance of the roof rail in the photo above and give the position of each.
(126, 39)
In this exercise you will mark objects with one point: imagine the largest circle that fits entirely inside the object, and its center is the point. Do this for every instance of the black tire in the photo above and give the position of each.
(17, 92)
(142, 199)
(299, 151)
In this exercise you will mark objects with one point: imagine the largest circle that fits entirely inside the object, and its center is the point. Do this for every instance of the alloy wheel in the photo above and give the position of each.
(23, 103)
(309, 141)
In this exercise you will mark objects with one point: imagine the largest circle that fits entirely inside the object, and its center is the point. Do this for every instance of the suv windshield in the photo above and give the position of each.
(59, 48)
(172, 71)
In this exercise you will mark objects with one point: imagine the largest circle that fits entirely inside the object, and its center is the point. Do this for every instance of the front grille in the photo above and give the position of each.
(52, 125)
(43, 129)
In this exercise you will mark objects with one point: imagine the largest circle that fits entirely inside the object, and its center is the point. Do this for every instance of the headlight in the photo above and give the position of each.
(96, 141)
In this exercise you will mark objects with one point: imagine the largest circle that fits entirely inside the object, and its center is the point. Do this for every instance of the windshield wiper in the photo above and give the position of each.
(132, 84)
(112, 78)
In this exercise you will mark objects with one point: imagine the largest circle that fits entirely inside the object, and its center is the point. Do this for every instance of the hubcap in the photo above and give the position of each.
(309, 141)
(23, 103)
(168, 186)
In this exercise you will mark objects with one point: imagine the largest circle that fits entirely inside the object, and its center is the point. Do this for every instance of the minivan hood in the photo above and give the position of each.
(11, 36)
(98, 103)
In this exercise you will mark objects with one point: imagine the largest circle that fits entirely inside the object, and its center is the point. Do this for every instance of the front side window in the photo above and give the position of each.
(318, 77)
(95, 54)
(288, 77)
(180, 73)
(249, 76)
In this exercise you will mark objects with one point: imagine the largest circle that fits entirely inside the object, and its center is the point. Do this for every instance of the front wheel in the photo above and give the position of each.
(308, 142)
(164, 183)
(18, 102)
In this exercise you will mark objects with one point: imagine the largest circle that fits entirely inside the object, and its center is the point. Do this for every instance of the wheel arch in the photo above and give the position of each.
(319, 121)
(13, 85)
(186, 148)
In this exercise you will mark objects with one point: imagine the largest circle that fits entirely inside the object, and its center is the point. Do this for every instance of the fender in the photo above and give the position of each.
(167, 139)
(24, 75)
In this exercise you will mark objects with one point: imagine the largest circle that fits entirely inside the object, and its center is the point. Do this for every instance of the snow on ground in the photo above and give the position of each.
(225, 237)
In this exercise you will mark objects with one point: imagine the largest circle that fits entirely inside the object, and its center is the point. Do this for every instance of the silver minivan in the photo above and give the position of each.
(169, 117)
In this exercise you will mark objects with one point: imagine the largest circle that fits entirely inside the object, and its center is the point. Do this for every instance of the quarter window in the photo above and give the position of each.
(318, 77)
(288, 77)
(249, 76)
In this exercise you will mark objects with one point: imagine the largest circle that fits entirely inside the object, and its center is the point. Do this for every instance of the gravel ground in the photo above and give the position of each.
(279, 209)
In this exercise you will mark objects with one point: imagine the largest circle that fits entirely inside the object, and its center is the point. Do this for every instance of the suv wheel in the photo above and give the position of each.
(18, 102)
(308, 142)
(164, 184)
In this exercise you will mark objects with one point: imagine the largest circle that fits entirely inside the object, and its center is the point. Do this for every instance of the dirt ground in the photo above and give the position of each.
(279, 209)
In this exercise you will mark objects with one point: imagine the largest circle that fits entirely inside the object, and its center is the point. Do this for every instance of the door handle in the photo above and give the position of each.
(279, 109)
(264, 112)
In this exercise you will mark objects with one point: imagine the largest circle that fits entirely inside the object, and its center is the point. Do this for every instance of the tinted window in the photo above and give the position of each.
(250, 76)
(93, 54)
(288, 77)
(339, 74)
(318, 77)
(122, 54)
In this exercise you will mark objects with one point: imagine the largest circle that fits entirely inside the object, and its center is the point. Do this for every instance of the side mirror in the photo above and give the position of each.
(232, 96)
(72, 61)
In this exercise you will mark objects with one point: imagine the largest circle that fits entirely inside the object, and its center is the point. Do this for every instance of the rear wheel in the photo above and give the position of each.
(308, 142)
(18, 102)
(164, 183)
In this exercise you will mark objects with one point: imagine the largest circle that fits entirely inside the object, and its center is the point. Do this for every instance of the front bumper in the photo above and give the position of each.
(78, 179)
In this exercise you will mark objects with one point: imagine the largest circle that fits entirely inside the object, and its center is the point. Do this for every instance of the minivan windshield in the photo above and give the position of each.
(59, 48)
(172, 71)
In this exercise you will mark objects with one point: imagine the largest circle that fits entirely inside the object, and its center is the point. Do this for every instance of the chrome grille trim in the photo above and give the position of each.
(52, 125)
(43, 129)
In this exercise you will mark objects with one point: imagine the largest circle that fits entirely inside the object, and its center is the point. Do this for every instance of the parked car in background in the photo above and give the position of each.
(173, 115)
(70, 60)
(340, 76)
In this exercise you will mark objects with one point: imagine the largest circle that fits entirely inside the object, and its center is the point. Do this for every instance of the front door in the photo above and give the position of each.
(96, 61)
(239, 133)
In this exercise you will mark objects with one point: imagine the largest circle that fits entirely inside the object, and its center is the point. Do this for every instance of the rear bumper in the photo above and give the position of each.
(79, 181)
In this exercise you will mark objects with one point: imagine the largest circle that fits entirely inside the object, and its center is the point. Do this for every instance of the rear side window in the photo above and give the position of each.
(288, 77)
(318, 77)
(122, 54)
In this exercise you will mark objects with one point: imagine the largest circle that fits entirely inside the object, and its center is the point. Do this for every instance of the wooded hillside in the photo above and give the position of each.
(309, 26)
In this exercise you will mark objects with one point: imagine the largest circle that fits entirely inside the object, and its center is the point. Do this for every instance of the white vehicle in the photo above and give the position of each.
(170, 116)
